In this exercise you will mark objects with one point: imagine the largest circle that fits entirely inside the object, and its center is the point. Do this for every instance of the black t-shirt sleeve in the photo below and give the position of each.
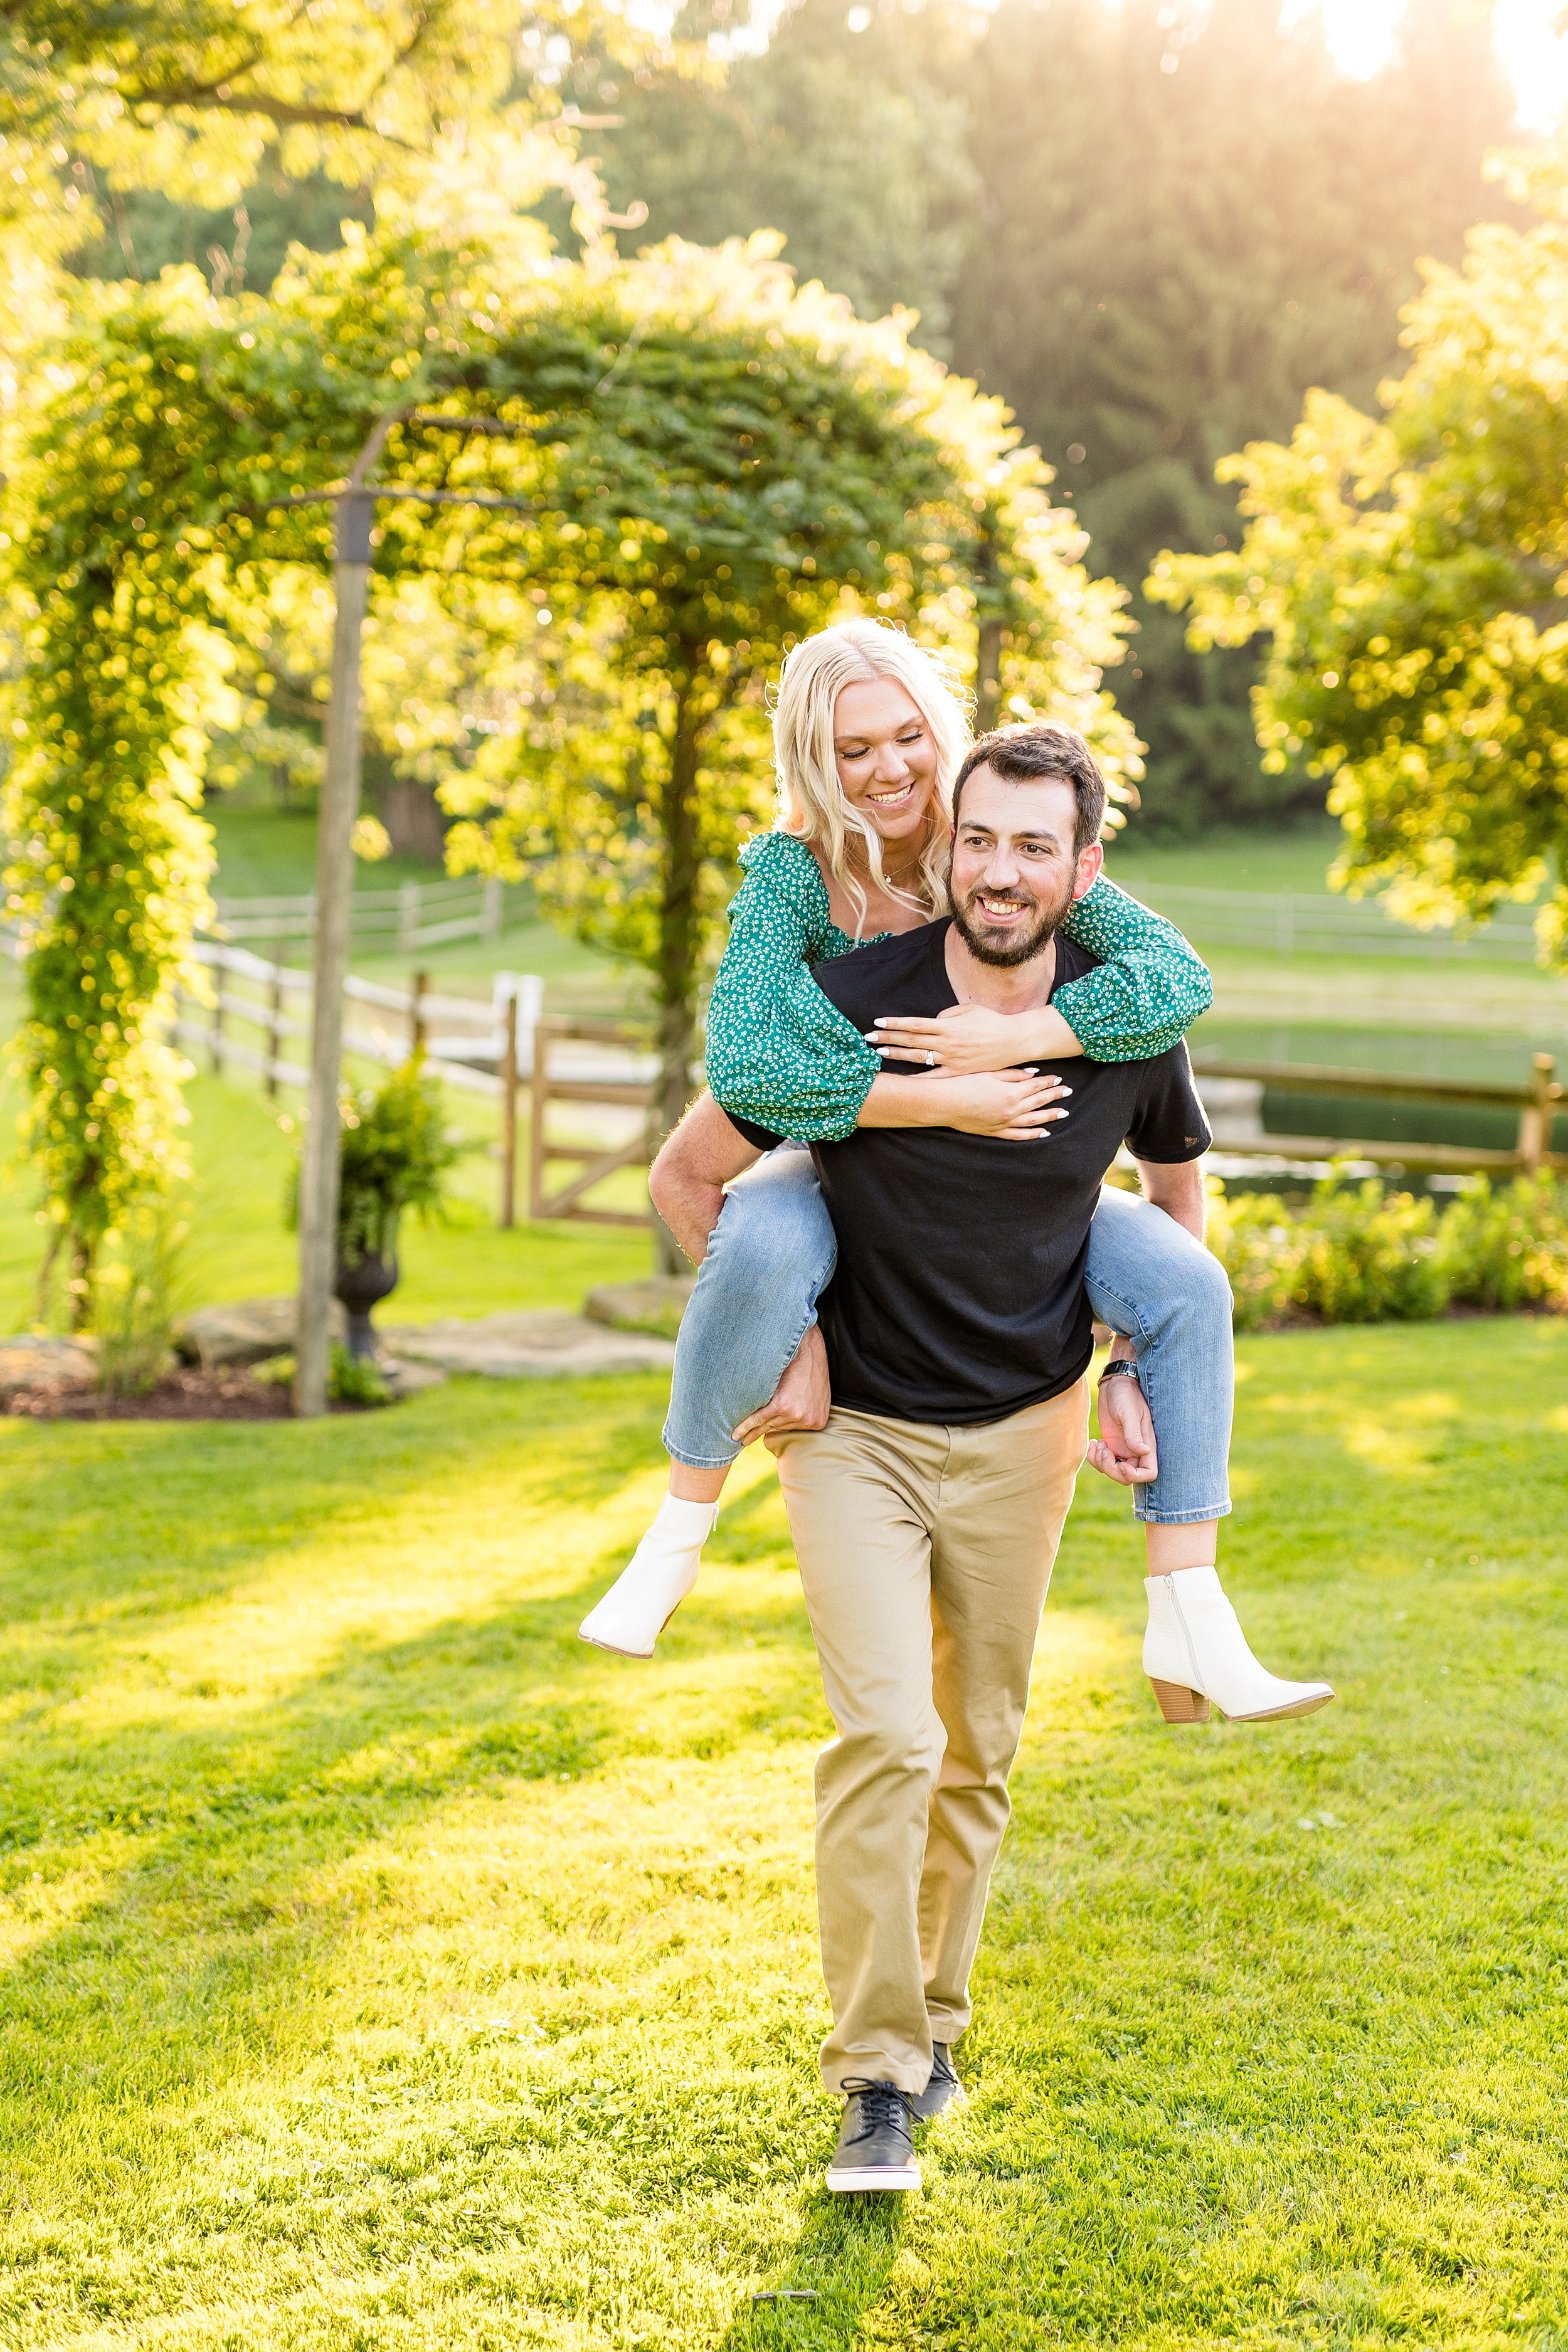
(763, 1137)
(1168, 1123)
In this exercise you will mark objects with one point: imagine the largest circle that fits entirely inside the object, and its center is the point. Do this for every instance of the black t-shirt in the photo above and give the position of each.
(958, 1296)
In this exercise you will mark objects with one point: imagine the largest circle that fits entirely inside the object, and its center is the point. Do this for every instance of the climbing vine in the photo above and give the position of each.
(714, 463)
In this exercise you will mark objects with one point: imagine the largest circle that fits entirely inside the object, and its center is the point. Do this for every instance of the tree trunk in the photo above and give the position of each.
(988, 679)
(678, 943)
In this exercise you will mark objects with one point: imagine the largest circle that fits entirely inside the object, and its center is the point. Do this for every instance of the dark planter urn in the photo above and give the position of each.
(360, 1286)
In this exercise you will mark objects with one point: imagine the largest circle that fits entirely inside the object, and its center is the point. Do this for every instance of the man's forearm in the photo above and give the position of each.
(1178, 1189)
(688, 1204)
(686, 1182)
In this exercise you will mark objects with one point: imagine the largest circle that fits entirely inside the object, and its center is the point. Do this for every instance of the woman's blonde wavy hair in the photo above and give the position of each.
(812, 805)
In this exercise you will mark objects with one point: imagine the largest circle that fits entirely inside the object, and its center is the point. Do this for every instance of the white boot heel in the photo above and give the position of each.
(1195, 1653)
(654, 1582)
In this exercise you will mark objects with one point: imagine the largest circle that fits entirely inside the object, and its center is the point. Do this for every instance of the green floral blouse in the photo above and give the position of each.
(779, 1052)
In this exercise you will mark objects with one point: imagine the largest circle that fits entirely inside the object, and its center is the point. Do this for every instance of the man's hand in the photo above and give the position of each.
(801, 1400)
(1124, 1450)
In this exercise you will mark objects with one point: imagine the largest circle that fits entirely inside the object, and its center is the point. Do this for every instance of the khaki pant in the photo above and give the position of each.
(925, 1554)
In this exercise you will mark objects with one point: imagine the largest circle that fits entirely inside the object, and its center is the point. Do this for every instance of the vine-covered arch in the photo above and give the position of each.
(719, 458)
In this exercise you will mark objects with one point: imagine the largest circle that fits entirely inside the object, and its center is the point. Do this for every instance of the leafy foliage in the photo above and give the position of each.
(189, 96)
(1364, 1254)
(712, 462)
(136, 1295)
(1507, 1247)
(852, 142)
(393, 1153)
(1150, 228)
(1407, 575)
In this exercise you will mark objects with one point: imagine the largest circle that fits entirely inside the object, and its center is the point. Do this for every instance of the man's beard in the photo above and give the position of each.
(1016, 947)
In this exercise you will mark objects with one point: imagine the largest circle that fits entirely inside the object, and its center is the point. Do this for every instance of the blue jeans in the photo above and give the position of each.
(773, 1251)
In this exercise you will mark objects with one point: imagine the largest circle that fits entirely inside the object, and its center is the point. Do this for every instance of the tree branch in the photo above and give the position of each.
(274, 110)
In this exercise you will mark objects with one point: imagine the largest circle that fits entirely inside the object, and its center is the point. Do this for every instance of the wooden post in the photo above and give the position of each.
(274, 1020)
(417, 1011)
(1535, 1118)
(539, 1097)
(408, 918)
(509, 1116)
(334, 911)
(490, 908)
(220, 977)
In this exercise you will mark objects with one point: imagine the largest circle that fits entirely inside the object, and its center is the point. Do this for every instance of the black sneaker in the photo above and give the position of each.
(943, 2091)
(876, 2143)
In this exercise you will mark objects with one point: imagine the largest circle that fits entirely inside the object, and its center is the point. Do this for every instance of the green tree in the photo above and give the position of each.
(1148, 227)
(1187, 217)
(1409, 577)
(848, 141)
(712, 462)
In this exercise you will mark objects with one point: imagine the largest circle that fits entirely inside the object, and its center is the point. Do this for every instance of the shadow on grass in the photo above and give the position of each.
(216, 1855)
(839, 2267)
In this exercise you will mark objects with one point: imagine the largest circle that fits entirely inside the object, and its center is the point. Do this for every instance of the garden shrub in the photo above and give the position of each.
(1261, 1245)
(1361, 1254)
(1371, 1255)
(1507, 1248)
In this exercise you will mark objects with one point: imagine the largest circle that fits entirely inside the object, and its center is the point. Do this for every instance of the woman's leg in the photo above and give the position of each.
(769, 1257)
(1151, 1280)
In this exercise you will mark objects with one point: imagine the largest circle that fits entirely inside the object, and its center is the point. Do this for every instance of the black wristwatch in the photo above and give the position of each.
(1121, 1367)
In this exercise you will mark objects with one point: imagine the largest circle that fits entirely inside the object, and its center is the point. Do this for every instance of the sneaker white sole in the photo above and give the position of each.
(873, 2176)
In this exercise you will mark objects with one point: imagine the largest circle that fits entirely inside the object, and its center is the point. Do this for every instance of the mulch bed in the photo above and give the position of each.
(230, 1393)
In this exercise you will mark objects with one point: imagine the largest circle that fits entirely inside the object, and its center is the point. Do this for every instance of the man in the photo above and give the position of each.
(926, 1513)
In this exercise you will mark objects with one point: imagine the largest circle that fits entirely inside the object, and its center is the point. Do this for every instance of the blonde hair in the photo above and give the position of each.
(812, 803)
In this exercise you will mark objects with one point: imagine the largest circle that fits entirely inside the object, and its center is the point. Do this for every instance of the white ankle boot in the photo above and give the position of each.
(1195, 1650)
(654, 1582)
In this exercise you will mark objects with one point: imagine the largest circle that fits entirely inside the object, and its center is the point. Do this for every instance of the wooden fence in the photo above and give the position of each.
(401, 921)
(1537, 1104)
(1298, 923)
(259, 1019)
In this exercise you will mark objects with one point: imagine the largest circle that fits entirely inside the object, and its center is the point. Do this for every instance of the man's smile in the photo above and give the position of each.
(998, 908)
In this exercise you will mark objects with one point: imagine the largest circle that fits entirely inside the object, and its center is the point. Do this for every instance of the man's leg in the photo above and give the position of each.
(860, 1495)
(1004, 1499)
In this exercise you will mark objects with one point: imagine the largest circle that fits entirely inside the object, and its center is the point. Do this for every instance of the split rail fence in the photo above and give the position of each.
(258, 1018)
(1538, 1104)
(1298, 923)
(401, 921)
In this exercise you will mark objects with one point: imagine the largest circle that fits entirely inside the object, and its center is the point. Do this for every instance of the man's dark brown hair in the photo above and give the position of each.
(1022, 755)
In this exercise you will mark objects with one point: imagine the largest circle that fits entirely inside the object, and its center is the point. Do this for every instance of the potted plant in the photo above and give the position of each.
(395, 1153)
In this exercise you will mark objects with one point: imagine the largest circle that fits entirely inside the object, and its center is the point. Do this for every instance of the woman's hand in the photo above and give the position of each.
(969, 1038)
(1014, 1104)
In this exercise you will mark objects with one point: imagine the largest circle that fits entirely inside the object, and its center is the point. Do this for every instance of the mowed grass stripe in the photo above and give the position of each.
(382, 1967)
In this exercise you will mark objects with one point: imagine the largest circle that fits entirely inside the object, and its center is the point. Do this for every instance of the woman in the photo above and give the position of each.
(868, 734)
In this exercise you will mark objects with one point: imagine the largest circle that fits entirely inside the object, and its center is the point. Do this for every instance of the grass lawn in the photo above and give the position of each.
(383, 1969)
(240, 1247)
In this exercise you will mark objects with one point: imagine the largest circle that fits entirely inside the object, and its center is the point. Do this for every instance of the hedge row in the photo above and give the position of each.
(1361, 1254)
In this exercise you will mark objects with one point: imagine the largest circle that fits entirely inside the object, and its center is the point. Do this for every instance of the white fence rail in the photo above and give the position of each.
(1291, 923)
(260, 1009)
(258, 1017)
(412, 915)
